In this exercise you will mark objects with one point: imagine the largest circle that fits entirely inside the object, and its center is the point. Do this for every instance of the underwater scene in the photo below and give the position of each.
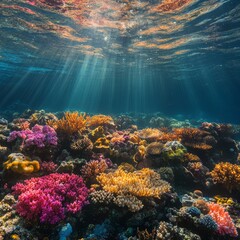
(119, 120)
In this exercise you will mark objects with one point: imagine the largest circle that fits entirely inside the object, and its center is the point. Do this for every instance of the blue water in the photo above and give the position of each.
(122, 56)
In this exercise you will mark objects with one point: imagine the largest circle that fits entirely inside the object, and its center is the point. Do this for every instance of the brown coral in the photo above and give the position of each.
(82, 145)
(91, 169)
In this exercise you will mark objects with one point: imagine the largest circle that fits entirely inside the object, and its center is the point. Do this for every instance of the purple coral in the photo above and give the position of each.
(50, 197)
(39, 136)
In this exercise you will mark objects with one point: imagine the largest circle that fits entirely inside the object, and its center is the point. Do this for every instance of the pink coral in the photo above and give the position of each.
(50, 197)
(223, 220)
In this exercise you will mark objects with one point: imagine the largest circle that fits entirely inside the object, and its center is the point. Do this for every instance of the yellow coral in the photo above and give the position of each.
(18, 163)
(142, 183)
(227, 174)
(102, 143)
(140, 154)
(99, 120)
(70, 123)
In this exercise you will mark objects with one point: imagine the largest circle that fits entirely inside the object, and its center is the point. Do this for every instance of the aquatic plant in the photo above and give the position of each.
(222, 218)
(18, 163)
(47, 199)
(227, 174)
(38, 136)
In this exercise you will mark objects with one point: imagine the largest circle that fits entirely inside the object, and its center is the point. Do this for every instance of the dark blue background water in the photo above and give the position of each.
(203, 83)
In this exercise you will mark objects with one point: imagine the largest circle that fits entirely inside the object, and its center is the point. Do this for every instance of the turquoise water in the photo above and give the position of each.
(176, 57)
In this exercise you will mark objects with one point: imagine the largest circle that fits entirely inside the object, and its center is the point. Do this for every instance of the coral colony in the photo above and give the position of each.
(78, 176)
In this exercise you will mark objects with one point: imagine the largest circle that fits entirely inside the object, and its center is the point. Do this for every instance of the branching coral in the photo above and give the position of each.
(71, 123)
(99, 120)
(227, 174)
(223, 220)
(93, 168)
(195, 138)
(128, 186)
(50, 197)
(82, 145)
(17, 162)
(142, 183)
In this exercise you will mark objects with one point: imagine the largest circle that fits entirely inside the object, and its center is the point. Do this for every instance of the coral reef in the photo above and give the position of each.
(80, 176)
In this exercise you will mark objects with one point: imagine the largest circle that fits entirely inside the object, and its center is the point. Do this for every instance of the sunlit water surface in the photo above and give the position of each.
(176, 57)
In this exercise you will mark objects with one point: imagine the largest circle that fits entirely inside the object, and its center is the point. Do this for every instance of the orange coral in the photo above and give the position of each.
(227, 174)
(70, 123)
(194, 138)
(99, 120)
(189, 157)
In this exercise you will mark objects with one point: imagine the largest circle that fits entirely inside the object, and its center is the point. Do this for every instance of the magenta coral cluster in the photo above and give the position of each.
(39, 136)
(50, 197)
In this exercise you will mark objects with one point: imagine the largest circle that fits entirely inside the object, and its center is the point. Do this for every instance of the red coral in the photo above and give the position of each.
(50, 197)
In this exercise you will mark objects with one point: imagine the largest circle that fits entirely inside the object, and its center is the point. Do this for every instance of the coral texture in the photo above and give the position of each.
(223, 220)
(50, 197)
(17, 162)
(227, 174)
(71, 123)
(38, 136)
